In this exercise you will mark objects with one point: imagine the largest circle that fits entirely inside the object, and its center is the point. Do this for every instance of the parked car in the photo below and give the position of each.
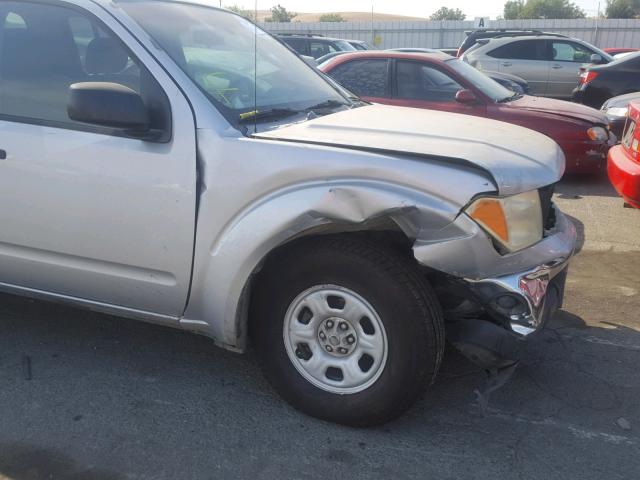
(453, 52)
(360, 44)
(618, 56)
(415, 50)
(599, 83)
(329, 56)
(550, 64)
(624, 159)
(443, 83)
(616, 51)
(512, 82)
(473, 37)
(315, 45)
(616, 110)
(159, 175)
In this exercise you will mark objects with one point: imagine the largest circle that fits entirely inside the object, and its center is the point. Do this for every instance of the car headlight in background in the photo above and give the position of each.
(598, 134)
(515, 221)
(620, 112)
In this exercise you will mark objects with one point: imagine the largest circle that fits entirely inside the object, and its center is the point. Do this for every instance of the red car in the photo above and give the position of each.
(624, 159)
(614, 50)
(440, 82)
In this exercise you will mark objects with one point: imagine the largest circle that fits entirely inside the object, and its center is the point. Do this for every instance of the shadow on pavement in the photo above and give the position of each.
(574, 187)
(111, 398)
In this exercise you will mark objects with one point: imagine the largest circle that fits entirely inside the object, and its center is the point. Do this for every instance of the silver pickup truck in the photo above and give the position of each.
(173, 163)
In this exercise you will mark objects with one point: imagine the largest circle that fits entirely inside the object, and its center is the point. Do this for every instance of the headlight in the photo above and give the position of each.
(515, 222)
(598, 134)
(616, 112)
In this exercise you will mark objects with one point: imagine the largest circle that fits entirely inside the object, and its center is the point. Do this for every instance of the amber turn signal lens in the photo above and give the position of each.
(489, 213)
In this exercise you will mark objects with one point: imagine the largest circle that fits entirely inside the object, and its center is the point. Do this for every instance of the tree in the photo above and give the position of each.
(512, 9)
(445, 13)
(331, 17)
(281, 14)
(623, 8)
(241, 11)
(521, 9)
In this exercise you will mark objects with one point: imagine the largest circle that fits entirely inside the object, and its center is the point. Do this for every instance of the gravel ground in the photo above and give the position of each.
(104, 398)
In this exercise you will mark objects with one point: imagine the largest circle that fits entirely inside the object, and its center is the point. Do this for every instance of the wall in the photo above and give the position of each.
(447, 34)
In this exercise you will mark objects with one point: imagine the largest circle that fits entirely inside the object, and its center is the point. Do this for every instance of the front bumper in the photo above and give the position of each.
(587, 156)
(524, 301)
(624, 174)
(518, 291)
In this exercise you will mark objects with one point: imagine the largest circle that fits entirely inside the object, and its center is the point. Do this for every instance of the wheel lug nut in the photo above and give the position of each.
(344, 326)
(322, 336)
(329, 323)
(329, 348)
(351, 339)
(342, 350)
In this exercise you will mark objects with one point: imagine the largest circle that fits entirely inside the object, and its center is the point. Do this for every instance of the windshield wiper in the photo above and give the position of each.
(271, 113)
(327, 104)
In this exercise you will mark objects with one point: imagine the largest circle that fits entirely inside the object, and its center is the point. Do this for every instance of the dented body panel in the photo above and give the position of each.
(282, 190)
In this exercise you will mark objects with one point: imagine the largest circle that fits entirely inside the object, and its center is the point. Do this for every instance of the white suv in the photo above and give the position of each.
(550, 63)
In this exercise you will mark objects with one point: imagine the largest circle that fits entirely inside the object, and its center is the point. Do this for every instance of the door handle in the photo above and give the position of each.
(506, 64)
(556, 66)
(3, 154)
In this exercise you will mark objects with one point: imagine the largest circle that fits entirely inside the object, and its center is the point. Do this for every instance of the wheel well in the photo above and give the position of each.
(382, 232)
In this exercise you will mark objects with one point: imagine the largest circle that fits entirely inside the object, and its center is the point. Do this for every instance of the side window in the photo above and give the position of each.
(298, 44)
(47, 48)
(417, 81)
(366, 78)
(318, 49)
(520, 50)
(570, 52)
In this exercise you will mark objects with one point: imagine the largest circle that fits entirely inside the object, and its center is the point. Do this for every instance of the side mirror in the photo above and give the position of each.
(465, 96)
(595, 58)
(109, 105)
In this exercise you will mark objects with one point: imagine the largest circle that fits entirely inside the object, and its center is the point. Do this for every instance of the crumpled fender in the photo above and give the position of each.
(240, 248)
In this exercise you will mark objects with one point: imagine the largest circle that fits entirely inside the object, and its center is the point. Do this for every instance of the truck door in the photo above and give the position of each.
(86, 211)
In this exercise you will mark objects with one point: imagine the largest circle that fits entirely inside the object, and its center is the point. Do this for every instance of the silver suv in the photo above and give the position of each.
(551, 64)
(149, 170)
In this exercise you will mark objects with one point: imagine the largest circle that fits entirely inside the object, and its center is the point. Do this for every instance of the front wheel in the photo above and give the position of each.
(347, 330)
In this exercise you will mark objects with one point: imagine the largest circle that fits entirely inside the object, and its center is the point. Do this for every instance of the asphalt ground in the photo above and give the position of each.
(90, 396)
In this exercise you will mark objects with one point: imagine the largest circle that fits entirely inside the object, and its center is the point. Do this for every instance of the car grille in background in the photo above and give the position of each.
(548, 213)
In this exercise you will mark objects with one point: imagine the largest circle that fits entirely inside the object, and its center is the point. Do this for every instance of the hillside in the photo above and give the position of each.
(348, 16)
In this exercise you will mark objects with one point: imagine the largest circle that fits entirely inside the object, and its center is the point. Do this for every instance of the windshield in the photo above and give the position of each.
(486, 85)
(344, 46)
(216, 49)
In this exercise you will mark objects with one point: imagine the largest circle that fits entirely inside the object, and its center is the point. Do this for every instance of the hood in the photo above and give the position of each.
(561, 108)
(621, 100)
(518, 159)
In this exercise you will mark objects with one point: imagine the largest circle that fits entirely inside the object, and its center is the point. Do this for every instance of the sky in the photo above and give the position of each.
(415, 8)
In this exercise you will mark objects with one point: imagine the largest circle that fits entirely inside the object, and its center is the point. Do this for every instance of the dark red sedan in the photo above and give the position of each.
(440, 82)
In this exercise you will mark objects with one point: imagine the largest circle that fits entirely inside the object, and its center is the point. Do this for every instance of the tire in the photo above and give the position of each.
(390, 311)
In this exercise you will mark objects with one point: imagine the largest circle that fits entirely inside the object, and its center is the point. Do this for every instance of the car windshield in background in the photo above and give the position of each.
(486, 85)
(344, 46)
(216, 49)
(632, 58)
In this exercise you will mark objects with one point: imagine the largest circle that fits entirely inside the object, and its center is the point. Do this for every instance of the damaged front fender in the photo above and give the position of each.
(239, 249)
